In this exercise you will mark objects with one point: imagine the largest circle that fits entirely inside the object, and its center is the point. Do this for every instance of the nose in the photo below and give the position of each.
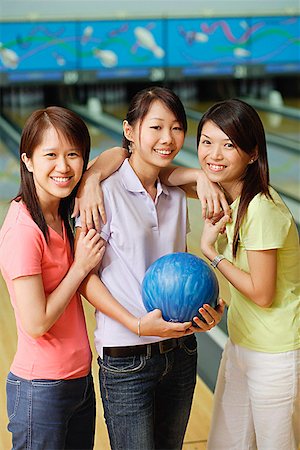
(216, 152)
(166, 136)
(62, 164)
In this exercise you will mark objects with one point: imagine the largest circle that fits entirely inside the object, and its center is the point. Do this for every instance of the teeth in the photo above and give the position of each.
(61, 179)
(216, 167)
(163, 152)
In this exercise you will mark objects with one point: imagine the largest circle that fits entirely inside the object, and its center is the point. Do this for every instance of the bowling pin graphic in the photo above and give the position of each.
(106, 57)
(59, 59)
(146, 40)
(240, 52)
(87, 33)
(200, 37)
(8, 57)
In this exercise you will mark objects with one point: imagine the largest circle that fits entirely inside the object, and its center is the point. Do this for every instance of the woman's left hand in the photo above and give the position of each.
(212, 317)
(212, 228)
(212, 198)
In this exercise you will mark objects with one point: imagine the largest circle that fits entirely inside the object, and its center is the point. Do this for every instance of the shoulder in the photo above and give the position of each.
(114, 181)
(267, 222)
(19, 231)
(174, 192)
(18, 218)
(21, 243)
(269, 208)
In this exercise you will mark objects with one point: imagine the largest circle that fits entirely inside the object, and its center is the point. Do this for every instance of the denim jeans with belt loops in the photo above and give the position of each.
(51, 414)
(147, 398)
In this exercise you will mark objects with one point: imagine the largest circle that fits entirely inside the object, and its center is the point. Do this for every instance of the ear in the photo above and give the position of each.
(128, 132)
(254, 156)
(27, 162)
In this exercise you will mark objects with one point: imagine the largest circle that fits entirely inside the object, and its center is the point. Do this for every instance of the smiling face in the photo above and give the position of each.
(221, 160)
(56, 167)
(157, 139)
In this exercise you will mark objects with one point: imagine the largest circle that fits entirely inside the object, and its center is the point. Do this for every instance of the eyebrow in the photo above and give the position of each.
(159, 118)
(227, 139)
(53, 149)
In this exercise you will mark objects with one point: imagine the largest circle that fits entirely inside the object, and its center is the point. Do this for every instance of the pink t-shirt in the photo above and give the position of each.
(63, 352)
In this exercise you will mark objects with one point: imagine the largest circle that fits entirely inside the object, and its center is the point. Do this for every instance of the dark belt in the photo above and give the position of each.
(147, 349)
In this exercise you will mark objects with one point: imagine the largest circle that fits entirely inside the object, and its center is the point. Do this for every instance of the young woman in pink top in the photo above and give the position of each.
(50, 393)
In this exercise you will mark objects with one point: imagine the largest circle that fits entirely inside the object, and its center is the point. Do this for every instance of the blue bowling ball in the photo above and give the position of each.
(179, 284)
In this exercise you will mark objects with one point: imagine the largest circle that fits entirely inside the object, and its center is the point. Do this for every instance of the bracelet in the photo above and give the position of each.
(139, 327)
(216, 261)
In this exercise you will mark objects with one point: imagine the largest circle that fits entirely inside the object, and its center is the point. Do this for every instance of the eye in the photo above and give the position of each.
(229, 145)
(74, 154)
(156, 127)
(178, 128)
(50, 154)
(205, 141)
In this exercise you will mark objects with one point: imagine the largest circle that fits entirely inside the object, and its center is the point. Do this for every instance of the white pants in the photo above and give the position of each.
(257, 401)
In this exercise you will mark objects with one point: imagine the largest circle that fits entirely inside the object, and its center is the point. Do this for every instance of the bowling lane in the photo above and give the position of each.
(99, 139)
(9, 179)
(274, 123)
(9, 173)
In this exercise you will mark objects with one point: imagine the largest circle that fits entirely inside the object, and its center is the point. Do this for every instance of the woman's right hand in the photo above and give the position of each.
(90, 248)
(89, 203)
(153, 324)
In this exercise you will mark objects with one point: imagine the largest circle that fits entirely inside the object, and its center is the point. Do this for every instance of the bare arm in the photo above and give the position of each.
(89, 199)
(37, 312)
(196, 184)
(260, 283)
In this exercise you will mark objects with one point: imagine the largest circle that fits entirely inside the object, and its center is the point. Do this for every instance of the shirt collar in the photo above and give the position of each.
(132, 183)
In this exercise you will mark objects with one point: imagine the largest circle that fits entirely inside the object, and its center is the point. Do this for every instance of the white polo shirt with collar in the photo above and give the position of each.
(138, 231)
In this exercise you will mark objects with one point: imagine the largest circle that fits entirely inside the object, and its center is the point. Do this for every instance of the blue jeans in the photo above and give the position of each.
(147, 399)
(51, 414)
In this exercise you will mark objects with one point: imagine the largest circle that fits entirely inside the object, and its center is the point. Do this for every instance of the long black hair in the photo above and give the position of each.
(73, 129)
(242, 124)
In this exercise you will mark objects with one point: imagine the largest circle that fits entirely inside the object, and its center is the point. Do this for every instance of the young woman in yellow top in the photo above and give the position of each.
(257, 397)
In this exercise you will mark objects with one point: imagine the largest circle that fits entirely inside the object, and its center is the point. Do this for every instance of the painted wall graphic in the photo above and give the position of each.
(208, 42)
(277, 40)
(112, 44)
(217, 45)
(38, 46)
(120, 48)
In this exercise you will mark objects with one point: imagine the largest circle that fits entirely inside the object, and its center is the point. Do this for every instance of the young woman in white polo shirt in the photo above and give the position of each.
(146, 388)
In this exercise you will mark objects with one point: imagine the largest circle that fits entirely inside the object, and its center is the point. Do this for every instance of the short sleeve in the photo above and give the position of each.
(106, 227)
(188, 225)
(78, 222)
(266, 225)
(22, 251)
